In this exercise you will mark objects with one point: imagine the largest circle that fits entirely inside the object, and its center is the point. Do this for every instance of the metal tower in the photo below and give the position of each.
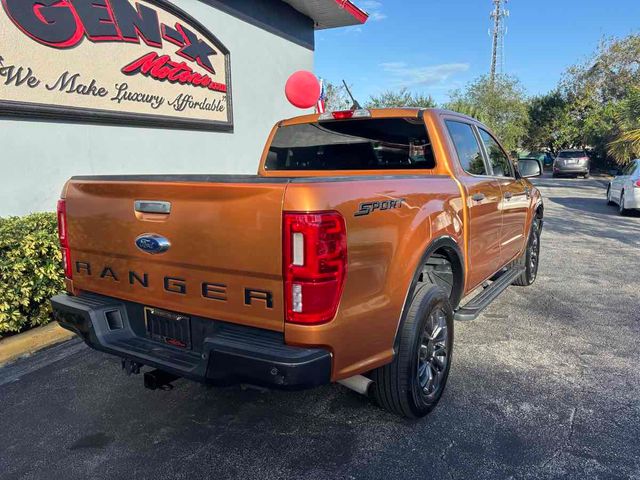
(498, 16)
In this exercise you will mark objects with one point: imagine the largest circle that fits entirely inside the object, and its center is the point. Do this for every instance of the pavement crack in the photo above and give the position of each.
(567, 443)
(443, 454)
(572, 421)
(446, 449)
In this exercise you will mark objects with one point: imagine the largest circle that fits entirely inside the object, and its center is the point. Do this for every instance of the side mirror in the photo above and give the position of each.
(529, 167)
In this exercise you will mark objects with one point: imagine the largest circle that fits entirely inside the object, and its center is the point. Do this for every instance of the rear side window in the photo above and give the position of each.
(362, 144)
(467, 147)
(500, 163)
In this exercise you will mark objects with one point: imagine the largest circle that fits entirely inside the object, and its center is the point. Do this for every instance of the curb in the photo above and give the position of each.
(31, 341)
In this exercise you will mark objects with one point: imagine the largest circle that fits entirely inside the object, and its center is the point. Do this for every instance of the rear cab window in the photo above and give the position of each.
(467, 147)
(356, 144)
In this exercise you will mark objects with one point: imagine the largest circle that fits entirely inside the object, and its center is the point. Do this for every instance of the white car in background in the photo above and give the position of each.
(624, 189)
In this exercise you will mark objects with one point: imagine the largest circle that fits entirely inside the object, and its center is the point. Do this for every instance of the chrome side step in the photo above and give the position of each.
(472, 310)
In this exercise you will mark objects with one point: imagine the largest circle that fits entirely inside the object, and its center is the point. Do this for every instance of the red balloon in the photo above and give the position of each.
(302, 89)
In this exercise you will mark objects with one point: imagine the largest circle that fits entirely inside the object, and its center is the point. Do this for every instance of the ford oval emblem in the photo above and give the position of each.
(152, 243)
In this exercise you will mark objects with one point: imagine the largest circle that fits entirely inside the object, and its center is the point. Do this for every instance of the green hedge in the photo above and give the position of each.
(30, 270)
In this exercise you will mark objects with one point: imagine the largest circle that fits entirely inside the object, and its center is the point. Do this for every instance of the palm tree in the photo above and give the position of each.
(627, 145)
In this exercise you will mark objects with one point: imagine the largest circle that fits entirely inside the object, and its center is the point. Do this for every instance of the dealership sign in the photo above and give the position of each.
(122, 62)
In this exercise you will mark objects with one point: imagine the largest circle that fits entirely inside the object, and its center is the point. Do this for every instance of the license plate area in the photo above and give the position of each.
(167, 327)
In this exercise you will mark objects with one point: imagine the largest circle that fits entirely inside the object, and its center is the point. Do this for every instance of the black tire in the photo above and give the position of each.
(609, 201)
(587, 175)
(530, 260)
(399, 386)
(621, 209)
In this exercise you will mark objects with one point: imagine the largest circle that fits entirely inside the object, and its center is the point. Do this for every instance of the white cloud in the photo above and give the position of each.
(403, 75)
(373, 8)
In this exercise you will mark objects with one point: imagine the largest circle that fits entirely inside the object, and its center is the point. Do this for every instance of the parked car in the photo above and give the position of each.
(345, 259)
(572, 162)
(624, 189)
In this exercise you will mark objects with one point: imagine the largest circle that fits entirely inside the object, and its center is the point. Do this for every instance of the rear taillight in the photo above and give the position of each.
(63, 235)
(637, 184)
(315, 265)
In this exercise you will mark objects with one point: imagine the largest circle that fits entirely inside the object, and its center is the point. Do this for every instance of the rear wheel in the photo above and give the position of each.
(621, 206)
(531, 257)
(412, 384)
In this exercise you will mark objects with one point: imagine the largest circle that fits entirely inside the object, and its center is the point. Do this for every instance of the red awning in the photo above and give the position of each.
(330, 13)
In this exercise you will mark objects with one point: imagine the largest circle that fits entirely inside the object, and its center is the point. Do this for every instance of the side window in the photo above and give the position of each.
(467, 147)
(500, 162)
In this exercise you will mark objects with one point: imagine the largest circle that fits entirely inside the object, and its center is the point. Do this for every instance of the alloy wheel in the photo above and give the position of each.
(534, 254)
(433, 354)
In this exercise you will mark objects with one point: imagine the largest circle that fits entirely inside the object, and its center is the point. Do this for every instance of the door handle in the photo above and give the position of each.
(508, 196)
(478, 197)
(152, 206)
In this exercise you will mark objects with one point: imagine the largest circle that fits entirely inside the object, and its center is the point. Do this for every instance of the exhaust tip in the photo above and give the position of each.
(358, 383)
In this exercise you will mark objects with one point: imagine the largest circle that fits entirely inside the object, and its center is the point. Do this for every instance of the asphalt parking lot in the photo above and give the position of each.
(545, 384)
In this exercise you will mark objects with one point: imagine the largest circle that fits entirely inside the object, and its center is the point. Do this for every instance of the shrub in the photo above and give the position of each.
(30, 270)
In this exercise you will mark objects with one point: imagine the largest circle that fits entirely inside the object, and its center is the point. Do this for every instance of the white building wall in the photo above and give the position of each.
(36, 158)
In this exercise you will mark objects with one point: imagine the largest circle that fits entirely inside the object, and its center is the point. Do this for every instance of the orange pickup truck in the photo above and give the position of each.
(346, 259)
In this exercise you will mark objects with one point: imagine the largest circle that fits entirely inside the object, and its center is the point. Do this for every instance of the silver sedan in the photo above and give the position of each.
(624, 189)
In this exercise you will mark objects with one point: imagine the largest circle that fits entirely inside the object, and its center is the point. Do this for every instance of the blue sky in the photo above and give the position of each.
(434, 46)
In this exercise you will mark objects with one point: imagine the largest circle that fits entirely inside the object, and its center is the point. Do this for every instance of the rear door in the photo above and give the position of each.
(514, 203)
(617, 182)
(224, 259)
(621, 182)
(483, 203)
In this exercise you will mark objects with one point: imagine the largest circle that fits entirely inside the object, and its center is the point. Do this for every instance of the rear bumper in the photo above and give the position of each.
(220, 352)
(571, 170)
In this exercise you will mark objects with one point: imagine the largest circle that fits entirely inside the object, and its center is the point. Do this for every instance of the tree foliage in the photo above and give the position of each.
(400, 98)
(550, 128)
(500, 104)
(596, 106)
(30, 270)
(337, 97)
(600, 92)
(609, 73)
(626, 146)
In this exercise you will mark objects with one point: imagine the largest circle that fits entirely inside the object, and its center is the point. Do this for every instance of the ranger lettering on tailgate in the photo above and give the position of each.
(210, 290)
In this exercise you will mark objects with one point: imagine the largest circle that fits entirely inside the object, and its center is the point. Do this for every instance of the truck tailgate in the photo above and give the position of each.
(225, 258)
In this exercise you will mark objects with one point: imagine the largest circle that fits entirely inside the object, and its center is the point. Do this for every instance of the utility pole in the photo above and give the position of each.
(498, 16)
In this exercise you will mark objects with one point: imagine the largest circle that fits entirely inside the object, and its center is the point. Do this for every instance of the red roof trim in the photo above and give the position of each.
(358, 14)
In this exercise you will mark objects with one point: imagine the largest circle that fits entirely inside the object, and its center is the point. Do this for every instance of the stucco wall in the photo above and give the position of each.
(36, 158)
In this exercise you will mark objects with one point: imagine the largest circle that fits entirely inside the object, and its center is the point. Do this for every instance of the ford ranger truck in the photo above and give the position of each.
(346, 258)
